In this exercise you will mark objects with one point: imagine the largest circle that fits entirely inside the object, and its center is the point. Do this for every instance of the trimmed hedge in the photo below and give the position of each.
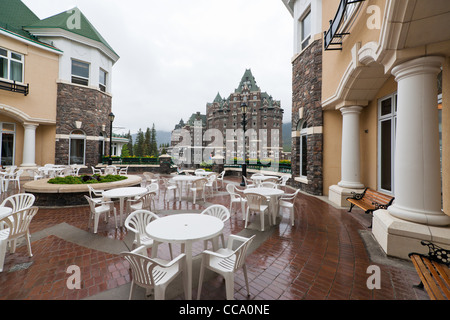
(86, 179)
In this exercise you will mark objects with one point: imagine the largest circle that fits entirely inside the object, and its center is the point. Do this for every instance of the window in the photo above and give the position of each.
(306, 30)
(80, 72)
(387, 121)
(8, 134)
(303, 150)
(77, 146)
(11, 65)
(101, 147)
(102, 80)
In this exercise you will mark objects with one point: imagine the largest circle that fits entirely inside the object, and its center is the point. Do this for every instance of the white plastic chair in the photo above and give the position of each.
(287, 201)
(210, 183)
(283, 180)
(110, 170)
(247, 184)
(220, 212)
(35, 174)
(153, 274)
(14, 176)
(17, 225)
(198, 185)
(150, 177)
(236, 198)
(123, 171)
(269, 184)
(95, 194)
(199, 171)
(98, 208)
(142, 202)
(256, 203)
(136, 223)
(67, 171)
(226, 261)
(75, 169)
(153, 188)
(170, 186)
(220, 178)
(96, 171)
(19, 201)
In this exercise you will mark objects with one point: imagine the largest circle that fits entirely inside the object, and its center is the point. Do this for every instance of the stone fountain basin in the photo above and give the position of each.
(61, 195)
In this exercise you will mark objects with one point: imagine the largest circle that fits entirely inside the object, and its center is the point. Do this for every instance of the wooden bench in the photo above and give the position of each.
(434, 271)
(370, 200)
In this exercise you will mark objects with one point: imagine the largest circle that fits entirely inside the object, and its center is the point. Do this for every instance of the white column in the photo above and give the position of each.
(417, 160)
(29, 145)
(350, 157)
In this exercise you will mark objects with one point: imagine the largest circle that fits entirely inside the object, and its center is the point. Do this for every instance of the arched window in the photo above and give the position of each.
(303, 150)
(77, 147)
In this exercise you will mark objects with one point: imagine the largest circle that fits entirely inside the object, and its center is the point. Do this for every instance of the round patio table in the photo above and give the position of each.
(182, 180)
(273, 195)
(122, 194)
(184, 228)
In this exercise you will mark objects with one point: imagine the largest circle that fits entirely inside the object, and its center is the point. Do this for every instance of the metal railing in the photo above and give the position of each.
(334, 35)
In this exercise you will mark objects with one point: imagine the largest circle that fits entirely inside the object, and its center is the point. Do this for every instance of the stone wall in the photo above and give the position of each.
(306, 106)
(86, 109)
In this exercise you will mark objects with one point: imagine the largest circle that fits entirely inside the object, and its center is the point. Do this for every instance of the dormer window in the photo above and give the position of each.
(80, 72)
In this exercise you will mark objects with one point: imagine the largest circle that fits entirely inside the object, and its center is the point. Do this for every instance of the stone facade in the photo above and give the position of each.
(86, 109)
(306, 106)
(263, 113)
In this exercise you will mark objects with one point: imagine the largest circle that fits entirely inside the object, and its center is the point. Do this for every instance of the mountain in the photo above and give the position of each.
(287, 137)
(161, 137)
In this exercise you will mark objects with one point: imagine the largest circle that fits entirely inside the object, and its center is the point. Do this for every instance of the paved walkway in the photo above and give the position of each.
(325, 256)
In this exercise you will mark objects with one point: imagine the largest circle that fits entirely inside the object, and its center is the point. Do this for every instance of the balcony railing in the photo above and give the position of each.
(333, 37)
(14, 87)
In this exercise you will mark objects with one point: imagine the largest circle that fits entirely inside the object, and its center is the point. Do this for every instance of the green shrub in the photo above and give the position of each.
(86, 179)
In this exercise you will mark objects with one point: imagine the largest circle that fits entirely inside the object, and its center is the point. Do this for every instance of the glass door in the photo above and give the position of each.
(8, 134)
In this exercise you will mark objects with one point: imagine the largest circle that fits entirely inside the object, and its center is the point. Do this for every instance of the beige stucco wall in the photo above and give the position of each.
(368, 141)
(336, 62)
(446, 135)
(332, 138)
(39, 106)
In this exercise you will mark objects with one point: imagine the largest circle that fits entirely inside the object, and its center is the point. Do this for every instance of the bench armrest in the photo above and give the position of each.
(379, 205)
(357, 196)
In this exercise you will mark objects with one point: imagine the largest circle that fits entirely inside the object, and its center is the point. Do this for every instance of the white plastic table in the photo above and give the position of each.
(122, 194)
(203, 173)
(184, 228)
(272, 194)
(182, 180)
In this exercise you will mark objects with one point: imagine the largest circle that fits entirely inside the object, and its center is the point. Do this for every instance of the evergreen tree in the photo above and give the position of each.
(147, 150)
(125, 151)
(154, 144)
(139, 145)
(130, 143)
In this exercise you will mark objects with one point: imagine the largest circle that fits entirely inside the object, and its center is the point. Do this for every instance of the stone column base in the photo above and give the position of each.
(399, 237)
(338, 195)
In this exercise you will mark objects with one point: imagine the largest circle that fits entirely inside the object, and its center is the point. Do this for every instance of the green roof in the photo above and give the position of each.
(14, 14)
(249, 80)
(196, 116)
(63, 21)
(218, 98)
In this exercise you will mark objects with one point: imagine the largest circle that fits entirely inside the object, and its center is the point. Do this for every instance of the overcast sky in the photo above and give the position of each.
(175, 56)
